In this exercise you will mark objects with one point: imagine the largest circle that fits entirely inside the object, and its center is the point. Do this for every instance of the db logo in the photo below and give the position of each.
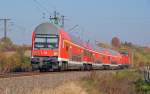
(45, 52)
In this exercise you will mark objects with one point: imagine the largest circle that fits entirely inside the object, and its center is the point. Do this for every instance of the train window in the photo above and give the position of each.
(87, 53)
(77, 57)
(46, 42)
(52, 43)
(98, 61)
(52, 40)
(40, 39)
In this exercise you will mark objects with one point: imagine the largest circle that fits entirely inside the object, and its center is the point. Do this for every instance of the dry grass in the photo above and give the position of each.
(66, 88)
(72, 87)
(52, 83)
(120, 82)
(92, 83)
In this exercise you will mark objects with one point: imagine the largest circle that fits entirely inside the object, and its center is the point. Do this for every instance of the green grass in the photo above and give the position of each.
(142, 87)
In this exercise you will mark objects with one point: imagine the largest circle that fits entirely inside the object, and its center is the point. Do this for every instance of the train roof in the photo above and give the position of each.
(105, 50)
(90, 46)
(50, 28)
(46, 28)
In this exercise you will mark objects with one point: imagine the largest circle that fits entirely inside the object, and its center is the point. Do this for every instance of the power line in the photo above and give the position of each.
(56, 17)
(63, 19)
(73, 28)
(18, 26)
(5, 27)
(41, 6)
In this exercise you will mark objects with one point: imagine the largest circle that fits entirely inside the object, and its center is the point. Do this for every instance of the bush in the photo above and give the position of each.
(9, 63)
(7, 45)
(142, 87)
(14, 63)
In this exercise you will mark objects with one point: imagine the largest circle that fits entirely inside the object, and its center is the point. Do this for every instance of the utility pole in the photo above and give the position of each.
(63, 20)
(5, 27)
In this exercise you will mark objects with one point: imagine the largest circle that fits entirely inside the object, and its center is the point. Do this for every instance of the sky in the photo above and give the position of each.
(99, 20)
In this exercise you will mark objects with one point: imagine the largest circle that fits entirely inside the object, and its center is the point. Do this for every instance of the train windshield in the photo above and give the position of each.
(46, 41)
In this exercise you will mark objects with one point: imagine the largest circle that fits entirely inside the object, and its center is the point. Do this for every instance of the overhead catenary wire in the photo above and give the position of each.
(19, 27)
(40, 6)
(73, 28)
(63, 18)
(19, 30)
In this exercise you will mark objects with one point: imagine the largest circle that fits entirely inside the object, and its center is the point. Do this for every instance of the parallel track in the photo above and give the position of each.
(18, 74)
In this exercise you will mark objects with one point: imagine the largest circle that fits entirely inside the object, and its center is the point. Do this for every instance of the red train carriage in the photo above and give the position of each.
(126, 61)
(53, 48)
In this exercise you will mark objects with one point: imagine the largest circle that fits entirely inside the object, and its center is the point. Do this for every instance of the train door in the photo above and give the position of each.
(70, 53)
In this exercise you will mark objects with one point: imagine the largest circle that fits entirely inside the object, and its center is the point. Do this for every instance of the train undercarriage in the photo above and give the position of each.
(44, 64)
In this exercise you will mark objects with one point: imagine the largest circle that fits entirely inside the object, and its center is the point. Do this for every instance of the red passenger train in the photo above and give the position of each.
(53, 48)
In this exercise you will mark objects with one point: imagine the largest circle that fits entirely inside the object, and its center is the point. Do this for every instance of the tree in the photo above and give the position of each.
(115, 42)
(6, 44)
(104, 45)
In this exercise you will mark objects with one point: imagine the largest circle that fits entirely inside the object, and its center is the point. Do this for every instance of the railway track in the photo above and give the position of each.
(18, 74)
(23, 74)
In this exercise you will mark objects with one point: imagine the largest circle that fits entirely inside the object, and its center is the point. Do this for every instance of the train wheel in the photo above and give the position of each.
(42, 70)
(64, 66)
(55, 67)
(89, 67)
(106, 67)
(121, 67)
(83, 68)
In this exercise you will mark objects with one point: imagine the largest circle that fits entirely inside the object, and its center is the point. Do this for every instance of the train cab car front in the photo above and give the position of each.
(45, 41)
